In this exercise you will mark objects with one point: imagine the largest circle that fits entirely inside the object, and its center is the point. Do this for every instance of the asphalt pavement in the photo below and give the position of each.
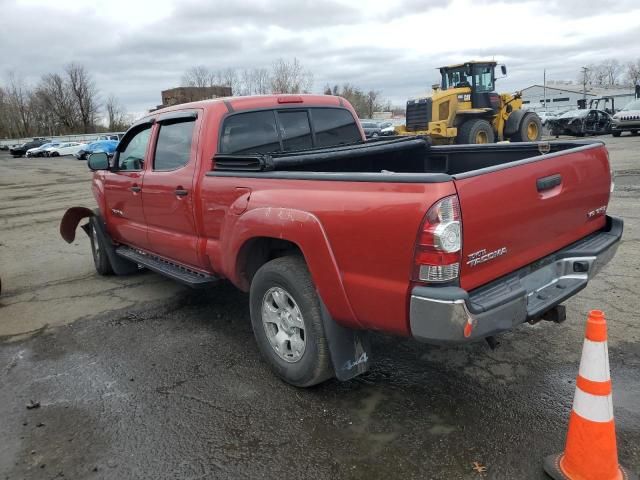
(138, 377)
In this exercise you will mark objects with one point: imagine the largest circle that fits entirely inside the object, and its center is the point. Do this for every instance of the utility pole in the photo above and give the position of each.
(544, 87)
(584, 84)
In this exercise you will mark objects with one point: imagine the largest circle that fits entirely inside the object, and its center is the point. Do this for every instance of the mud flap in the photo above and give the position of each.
(119, 265)
(350, 349)
(70, 222)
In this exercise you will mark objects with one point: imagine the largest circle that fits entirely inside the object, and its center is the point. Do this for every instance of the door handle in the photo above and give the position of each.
(135, 188)
(181, 192)
(547, 183)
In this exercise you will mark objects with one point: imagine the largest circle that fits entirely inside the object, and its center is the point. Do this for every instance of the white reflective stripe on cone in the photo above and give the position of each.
(597, 408)
(594, 364)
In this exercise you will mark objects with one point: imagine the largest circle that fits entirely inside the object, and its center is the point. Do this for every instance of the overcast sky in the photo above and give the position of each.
(135, 48)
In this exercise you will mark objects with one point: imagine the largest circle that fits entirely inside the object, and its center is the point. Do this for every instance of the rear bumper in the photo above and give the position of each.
(439, 314)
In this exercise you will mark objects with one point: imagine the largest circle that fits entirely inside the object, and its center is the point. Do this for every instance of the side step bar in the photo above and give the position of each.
(169, 269)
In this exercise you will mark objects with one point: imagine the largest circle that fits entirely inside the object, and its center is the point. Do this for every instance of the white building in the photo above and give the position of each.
(562, 97)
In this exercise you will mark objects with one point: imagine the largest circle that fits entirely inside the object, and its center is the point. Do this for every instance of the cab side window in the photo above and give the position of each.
(173, 148)
(132, 157)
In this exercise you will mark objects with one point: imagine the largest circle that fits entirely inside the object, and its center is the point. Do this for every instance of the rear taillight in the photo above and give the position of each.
(439, 243)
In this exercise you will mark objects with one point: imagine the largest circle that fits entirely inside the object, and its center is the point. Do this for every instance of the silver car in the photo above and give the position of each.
(627, 119)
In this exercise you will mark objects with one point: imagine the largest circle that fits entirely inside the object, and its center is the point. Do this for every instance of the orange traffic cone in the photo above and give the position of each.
(591, 452)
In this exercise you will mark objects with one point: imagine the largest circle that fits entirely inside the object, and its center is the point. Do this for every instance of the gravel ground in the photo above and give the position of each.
(138, 377)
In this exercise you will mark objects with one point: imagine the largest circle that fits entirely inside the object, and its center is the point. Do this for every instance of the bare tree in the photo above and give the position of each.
(85, 94)
(253, 81)
(633, 73)
(117, 118)
(613, 69)
(54, 94)
(600, 75)
(18, 102)
(373, 103)
(290, 77)
(229, 78)
(199, 76)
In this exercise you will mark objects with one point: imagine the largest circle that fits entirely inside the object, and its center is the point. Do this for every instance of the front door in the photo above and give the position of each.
(168, 194)
(123, 186)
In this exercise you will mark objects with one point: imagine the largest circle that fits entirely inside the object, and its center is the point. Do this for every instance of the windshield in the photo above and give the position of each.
(633, 106)
(455, 78)
(575, 113)
(479, 76)
(483, 77)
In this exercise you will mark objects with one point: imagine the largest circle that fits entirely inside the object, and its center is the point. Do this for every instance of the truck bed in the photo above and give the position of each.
(397, 156)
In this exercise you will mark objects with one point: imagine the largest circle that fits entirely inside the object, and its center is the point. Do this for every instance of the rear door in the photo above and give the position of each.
(516, 215)
(168, 194)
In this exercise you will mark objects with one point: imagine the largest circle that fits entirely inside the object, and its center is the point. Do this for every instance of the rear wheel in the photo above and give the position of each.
(529, 130)
(616, 133)
(287, 323)
(634, 132)
(474, 131)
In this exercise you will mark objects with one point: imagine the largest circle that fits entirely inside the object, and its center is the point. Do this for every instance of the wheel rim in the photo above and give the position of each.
(95, 245)
(532, 131)
(482, 137)
(283, 324)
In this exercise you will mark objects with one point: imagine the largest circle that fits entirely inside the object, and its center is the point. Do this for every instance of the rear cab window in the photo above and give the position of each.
(288, 130)
(173, 148)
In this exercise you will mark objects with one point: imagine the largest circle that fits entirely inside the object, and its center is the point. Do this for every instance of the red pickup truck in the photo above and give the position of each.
(334, 236)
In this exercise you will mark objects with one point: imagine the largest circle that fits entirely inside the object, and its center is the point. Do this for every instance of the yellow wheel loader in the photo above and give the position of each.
(465, 108)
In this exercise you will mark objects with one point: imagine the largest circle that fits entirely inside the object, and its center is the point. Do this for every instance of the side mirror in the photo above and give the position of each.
(503, 69)
(98, 161)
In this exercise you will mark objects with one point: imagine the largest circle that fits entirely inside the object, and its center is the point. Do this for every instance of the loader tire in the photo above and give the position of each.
(530, 129)
(475, 131)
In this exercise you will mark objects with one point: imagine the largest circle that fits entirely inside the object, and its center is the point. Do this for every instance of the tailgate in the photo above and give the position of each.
(517, 214)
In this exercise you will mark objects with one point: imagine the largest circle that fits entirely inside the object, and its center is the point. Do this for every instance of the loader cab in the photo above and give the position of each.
(479, 77)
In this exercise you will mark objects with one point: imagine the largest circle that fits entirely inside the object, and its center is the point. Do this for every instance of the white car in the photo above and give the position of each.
(69, 148)
(544, 116)
(387, 128)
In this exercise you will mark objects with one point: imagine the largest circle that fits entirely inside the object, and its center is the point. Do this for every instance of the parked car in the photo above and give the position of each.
(115, 136)
(386, 129)
(580, 123)
(627, 119)
(333, 236)
(21, 150)
(544, 116)
(107, 146)
(371, 129)
(41, 150)
(68, 148)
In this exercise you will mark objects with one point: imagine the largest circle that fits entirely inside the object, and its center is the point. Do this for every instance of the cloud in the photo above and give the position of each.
(135, 50)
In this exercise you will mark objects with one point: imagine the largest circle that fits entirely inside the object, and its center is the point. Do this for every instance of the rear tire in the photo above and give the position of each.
(99, 252)
(529, 130)
(616, 134)
(287, 322)
(475, 131)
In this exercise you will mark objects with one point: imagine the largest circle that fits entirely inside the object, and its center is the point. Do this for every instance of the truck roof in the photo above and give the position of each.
(257, 101)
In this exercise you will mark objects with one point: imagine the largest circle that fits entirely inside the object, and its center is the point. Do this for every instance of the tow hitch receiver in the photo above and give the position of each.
(557, 314)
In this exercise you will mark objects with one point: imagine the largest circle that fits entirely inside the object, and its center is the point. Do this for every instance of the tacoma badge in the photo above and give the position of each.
(482, 256)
